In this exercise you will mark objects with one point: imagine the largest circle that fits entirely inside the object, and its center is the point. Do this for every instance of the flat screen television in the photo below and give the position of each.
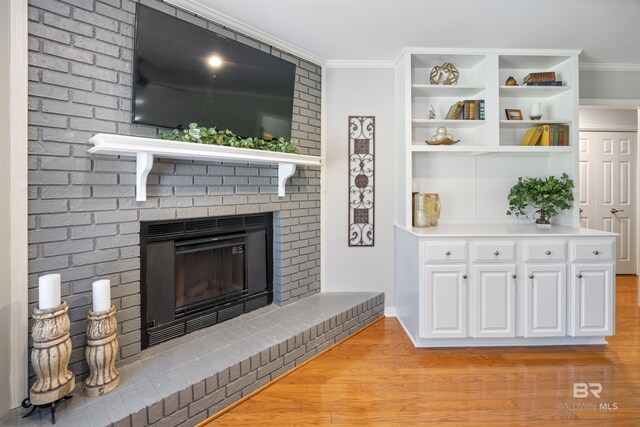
(184, 73)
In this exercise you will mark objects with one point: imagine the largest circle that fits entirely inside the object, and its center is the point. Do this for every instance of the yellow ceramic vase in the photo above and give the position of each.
(427, 209)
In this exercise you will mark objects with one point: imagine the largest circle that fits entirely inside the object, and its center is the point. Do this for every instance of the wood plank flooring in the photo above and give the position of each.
(377, 377)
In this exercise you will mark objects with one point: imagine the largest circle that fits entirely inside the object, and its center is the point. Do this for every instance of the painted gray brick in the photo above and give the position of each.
(52, 6)
(114, 38)
(69, 25)
(56, 49)
(67, 80)
(49, 33)
(115, 13)
(99, 78)
(66, 108)
(95, 19)
(49, 62)
(94, 72)
(48, 91)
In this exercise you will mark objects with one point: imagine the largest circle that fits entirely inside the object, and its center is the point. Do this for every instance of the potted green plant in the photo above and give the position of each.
(548, 196)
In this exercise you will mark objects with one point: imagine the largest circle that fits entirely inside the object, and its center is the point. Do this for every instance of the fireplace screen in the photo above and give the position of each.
(201, 271)
(209, 269)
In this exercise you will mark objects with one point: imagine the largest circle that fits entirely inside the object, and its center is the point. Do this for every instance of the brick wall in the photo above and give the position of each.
(83, 217)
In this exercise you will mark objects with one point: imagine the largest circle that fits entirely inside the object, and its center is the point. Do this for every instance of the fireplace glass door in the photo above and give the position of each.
(208, 270)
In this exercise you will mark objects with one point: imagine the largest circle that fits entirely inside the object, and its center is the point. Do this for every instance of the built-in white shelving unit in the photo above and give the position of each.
(473, 177)
(482, 278)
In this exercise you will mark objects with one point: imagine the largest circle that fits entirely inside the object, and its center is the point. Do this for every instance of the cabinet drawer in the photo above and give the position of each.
(498, 251)
(545, 251)
(592, 250)
(445, 252)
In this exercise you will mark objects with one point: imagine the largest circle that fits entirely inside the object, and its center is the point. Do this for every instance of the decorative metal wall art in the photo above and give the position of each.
(361, 180)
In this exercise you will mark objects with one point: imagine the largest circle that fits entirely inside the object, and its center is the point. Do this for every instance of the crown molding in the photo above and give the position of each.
(240, 27)
(356, 63)
(588, 66)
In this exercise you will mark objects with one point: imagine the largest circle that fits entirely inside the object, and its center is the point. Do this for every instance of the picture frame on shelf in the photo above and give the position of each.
(513, 114)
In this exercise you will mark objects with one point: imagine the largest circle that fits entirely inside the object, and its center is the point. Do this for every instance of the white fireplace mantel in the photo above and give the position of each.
(147, 149)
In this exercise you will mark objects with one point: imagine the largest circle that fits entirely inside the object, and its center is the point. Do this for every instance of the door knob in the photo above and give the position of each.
(579, 276)
(615, 211)
(464, 276)
(531, 276)
(581, 210)
(496, 253)
(513, 276)
(447, 253)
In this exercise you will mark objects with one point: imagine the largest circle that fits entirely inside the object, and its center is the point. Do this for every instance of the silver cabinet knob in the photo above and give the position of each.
(548, 252)
(596, 252)
(513, 276)
(531, 276)
(496, 253)
(579, 276)
(464, 276)
(447, 253)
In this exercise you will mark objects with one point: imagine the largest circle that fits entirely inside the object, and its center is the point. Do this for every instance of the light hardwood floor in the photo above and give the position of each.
(377, 377)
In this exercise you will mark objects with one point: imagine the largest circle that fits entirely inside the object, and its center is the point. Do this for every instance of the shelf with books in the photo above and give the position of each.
(468, 91)
(531, 123)
(447, 123)
(548, 134)
(532, 91)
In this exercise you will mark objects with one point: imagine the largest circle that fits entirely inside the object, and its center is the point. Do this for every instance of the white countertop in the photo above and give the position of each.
(521, 230)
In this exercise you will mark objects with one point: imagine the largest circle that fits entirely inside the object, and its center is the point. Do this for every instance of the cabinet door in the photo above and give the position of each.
(592, 300)
(445, 302)
(545, 300)
(494, 300)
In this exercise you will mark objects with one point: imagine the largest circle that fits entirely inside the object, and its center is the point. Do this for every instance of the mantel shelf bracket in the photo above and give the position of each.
(285, 171)
(144, 163)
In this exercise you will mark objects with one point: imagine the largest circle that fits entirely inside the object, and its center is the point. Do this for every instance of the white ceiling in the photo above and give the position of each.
(608, 31)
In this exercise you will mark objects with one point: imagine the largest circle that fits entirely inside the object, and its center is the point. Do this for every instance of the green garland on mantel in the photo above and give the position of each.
(212, 136)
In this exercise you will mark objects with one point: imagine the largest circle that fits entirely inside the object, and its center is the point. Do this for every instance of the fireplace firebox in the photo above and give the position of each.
(199, 272)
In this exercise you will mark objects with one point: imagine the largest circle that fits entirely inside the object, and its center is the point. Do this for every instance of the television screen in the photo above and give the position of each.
(185, 73)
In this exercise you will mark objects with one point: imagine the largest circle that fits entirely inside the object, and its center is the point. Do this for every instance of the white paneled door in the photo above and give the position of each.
(608, 190)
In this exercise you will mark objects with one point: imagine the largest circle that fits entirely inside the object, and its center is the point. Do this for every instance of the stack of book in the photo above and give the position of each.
(547, 135)
(547, 78)
(470, 109)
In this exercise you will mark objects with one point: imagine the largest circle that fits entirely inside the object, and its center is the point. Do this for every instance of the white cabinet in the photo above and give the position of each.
(445, 302)
(545, 300)
(494, 300)
(506, 288)
(592, 293)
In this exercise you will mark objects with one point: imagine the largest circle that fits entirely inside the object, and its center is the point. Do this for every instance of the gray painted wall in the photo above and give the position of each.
(608, 117)
(623, 85)
(84, 220)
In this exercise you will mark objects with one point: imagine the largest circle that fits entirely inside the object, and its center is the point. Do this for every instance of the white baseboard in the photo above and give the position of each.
(390, 312)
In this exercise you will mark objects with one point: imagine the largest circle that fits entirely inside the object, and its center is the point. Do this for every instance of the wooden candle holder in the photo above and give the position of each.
(102, 349)
(50, 355)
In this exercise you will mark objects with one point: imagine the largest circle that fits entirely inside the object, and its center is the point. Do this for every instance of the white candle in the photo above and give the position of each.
(536, 109)
(101, 295)
(49, 291)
